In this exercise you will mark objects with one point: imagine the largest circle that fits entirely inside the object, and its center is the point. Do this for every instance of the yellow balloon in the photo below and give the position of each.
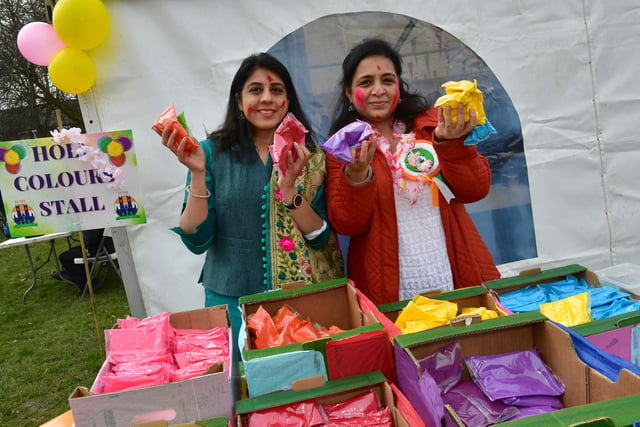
(72, 71)
(81, 24)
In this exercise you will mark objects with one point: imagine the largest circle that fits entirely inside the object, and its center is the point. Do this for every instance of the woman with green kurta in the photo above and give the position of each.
(260, 228)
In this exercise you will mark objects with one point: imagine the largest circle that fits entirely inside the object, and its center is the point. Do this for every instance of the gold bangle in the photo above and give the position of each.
(197, 196)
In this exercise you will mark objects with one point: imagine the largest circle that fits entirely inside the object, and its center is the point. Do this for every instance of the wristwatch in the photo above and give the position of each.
(296, 202)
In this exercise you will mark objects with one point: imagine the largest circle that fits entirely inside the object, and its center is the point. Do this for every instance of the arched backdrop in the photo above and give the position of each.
(560, 86)
(431, 57)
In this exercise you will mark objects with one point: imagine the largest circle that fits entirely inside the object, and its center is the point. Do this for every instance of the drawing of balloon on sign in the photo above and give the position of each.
(78, 26)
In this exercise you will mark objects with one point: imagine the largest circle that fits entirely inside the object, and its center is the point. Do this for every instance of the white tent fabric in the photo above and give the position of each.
(570, 69)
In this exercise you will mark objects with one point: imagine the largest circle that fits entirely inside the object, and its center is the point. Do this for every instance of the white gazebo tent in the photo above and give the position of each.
(569, 69)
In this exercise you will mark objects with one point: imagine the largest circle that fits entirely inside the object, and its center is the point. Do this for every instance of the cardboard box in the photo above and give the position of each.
(613, 334)
(369, 307)
(536, 276)
(211, 422)
(62, 420)
(518, 332)
(474, 296)
(623, 411)
(206, 396)
(327, 303)
(332, 392)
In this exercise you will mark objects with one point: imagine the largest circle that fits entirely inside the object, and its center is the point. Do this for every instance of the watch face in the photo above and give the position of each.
(297, 200)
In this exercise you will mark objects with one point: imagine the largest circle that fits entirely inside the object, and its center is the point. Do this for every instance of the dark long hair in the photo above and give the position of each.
(410, 105)
(235, 132)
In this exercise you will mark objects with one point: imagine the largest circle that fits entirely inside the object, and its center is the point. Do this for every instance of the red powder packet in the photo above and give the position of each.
(289, 131)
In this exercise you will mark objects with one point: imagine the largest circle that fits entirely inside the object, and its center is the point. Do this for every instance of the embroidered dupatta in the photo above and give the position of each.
(291, 257)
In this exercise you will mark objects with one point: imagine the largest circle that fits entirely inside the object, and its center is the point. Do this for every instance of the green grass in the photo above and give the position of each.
(50, 345)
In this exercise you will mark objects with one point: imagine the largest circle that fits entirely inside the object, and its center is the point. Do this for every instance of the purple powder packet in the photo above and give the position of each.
(524, 412)
(352, 135)
(473, 407)
(518, 373)
(445, 366)
(527, 401)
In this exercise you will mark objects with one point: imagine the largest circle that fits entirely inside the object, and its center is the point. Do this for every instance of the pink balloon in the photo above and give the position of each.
(38, 42)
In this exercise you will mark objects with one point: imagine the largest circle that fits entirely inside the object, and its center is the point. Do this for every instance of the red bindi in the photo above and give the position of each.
(377, 66)
(269, 78)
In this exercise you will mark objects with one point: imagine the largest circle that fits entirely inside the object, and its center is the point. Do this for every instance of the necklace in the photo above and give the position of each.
(414, 165)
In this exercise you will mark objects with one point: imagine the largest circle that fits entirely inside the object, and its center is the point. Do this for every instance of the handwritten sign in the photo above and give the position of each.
(70, 182)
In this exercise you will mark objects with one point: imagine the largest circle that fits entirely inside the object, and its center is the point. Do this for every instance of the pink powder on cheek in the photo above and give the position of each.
(396, 98)
(359, 96)
(250, 111)
(283, 104)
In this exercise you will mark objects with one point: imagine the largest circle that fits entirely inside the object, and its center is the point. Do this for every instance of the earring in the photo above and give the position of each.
(350, 107)
(241, 115)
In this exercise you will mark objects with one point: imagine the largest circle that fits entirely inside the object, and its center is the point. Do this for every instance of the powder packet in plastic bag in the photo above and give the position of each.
(445, 366)
(169, 118)
(352, 135)
(474, 408)
(518, 373)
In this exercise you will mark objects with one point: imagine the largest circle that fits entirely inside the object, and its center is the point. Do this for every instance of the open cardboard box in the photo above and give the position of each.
(623, 411)
(474, 296)
(518, 332)
(327, 303)
(613, 334)
(206, 396)
(211, 422)
(536, 276)
(339, 390)
(333, 302)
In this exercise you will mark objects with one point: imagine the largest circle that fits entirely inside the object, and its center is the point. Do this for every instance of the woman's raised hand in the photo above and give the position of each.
(294, 167)
(446, 129)
(362, 158)
(194, 161)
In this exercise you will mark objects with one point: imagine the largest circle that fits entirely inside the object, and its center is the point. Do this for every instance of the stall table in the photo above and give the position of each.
(51, 258)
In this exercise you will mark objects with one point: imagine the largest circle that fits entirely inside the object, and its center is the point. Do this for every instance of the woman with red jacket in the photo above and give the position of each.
(401, 200)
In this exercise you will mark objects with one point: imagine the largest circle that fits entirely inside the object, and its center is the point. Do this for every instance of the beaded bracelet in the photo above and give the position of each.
(198, 196)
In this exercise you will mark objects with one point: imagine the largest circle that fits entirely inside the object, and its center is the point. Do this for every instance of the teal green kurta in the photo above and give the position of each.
(235, 232)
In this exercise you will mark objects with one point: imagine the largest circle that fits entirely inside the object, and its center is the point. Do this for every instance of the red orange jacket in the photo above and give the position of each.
(367, 214)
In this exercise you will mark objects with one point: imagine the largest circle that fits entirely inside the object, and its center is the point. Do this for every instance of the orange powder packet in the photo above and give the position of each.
(169, 118)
